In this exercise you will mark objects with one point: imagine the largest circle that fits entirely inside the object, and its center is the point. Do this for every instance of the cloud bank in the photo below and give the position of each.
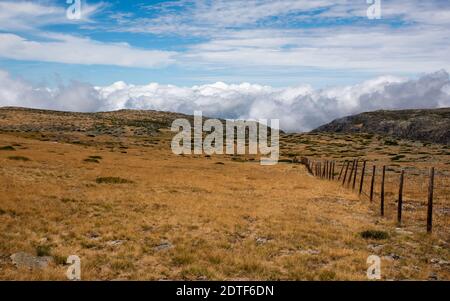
(299, 108)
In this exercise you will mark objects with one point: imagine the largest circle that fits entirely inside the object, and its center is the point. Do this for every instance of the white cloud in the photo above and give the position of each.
(375, 49)
(77, 96)
(299, 108)
(74, 50)
(219, 17)
(411, 37)
(28, 15)
(18, 18)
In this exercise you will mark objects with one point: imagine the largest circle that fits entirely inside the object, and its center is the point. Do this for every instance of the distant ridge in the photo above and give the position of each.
(426, 125)
(57, 125)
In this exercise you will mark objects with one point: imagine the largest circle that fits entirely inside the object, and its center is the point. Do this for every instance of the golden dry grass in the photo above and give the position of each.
(236, 220)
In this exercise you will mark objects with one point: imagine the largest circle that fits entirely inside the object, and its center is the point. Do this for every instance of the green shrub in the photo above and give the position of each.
(112, 180)
(91, 160)
(7, 148)
(397, 157)
(390, 142)
(18, 158)
(43, 250)
(374, 234)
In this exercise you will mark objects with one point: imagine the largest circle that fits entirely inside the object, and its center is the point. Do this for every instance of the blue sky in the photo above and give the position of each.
(304, 62)
(279, 43)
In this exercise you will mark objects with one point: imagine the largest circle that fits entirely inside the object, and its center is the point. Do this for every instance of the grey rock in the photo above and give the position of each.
(392, 257)
(401, 231)
(422, 125)
(163, 246)
(440, 262)
(114, 243)
(262, 240)
(310, 252)
(375, 248)
(93, 236)
(26, 260)
(433, 276)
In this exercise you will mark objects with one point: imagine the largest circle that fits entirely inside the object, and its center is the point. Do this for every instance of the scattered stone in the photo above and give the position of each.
(375, 248)
(309, 252)
(392, 257)
(93, 236)
(43, 240)
(437, 261)
(262, 240)
(114, 243)
(163, 246)
(401, 231)
(26, 260)
(433, 276)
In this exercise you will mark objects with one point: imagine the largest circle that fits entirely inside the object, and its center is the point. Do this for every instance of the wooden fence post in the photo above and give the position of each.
(332, 170)
(351, 173)
(382, 190)
(329, 171)
(346, 170)
(373, 182)
(362, 177)
(356, 172)
(342, 169)
(400, 199)
(430, 202)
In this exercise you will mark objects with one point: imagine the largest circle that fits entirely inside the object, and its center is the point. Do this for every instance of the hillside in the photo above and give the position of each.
(426, 125)
(107, 188)
(72, 127)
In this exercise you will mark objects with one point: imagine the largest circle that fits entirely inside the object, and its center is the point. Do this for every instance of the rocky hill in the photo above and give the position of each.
(426, 125)
(111, 128)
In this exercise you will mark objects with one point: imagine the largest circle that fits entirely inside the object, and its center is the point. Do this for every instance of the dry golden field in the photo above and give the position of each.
(130, 209)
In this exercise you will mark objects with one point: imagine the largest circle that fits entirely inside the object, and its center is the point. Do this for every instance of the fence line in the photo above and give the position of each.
(325, 169)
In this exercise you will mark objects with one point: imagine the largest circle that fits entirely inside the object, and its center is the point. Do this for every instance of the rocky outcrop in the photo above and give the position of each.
(426, 125)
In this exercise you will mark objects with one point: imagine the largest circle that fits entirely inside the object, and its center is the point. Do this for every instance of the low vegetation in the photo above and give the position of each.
(374, 234)
(209, 218)
(112, 180)
(7, 148)
(19, 158)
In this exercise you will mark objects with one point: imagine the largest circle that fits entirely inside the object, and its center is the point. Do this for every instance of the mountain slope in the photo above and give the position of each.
(426, 125)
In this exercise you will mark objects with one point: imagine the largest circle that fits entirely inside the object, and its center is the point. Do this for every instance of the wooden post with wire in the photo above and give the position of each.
(351, 173)
(374, 168)
(356, 172)
(400, 198)
(346, 170)
(332, 170)
(362, 177)
(382, 191)
(342, 169)
(430, 202)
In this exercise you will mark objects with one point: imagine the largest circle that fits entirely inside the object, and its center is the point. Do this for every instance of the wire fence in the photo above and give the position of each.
(420, 199)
